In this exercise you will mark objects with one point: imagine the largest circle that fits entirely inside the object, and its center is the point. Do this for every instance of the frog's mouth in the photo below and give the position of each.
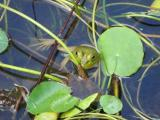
(84, 61)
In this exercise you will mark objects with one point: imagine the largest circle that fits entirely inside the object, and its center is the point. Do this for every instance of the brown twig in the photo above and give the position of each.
(54, 47)
(115, 88)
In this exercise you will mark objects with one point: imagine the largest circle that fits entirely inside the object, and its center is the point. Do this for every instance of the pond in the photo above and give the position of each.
(25, 51)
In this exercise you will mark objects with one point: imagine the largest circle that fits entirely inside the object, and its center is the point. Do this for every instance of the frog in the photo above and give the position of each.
(86, 55)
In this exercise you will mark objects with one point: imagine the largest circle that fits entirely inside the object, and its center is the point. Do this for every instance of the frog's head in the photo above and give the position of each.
(88, 57)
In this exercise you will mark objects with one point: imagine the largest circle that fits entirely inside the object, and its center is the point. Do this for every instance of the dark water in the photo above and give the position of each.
(53, 18)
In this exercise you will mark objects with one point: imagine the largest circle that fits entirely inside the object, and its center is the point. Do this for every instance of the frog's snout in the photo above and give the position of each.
(84, 60)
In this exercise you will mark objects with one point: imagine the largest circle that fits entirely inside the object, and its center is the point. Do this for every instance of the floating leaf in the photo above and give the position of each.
(63, 103)
(84, 104)
(111, 104)
(156, 4)
(3, 41)
(50, 96)
(47, 116)
(121, 51)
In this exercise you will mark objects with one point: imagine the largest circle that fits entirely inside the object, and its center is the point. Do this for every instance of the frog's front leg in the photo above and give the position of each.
(95, 74)
(64, 62)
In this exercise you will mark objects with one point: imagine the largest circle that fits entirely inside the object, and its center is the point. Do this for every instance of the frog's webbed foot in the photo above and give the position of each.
(63, 63)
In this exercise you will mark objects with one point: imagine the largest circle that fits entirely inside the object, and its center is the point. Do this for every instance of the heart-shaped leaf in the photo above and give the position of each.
(50, 96)
(121, 51)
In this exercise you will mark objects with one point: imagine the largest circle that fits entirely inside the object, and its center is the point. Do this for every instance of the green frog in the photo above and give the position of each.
(86, 55)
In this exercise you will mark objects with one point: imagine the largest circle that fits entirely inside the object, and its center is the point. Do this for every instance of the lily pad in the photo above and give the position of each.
(3, 41)
(47, 116)
(62, 103)
(155, 4)
(84, 104)
(50, 96)
(111, 104)
(121, 51)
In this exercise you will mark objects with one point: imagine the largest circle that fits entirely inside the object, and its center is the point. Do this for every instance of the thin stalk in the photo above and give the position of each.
(66, 2)
(4, 11)
(109, 82)
(66, 8)
(125, 3)
(43, 28)
(115, 21)
(114, 4)
(104, 82)
(104, 12)
(150, 45)
(89, 12)
(137, 15)
(29, 71)
(112, 117)
(93, 24)
(99, 75)
(79, 17)
(151, 35)
(96, 115)
(5, 16)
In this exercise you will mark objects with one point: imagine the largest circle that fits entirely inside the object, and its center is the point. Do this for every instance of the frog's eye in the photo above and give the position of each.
(76, 53)
(93, 57)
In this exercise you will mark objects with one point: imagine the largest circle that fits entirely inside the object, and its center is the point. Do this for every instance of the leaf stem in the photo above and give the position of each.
(93, 23)
(29, 71)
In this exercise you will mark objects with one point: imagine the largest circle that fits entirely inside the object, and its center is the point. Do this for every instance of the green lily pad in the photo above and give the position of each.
(83, 104)
(121, 51)
(62, 103)
(3, 41)
(155, 4)
(47, 116)
(50, 96)
(111, 104)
